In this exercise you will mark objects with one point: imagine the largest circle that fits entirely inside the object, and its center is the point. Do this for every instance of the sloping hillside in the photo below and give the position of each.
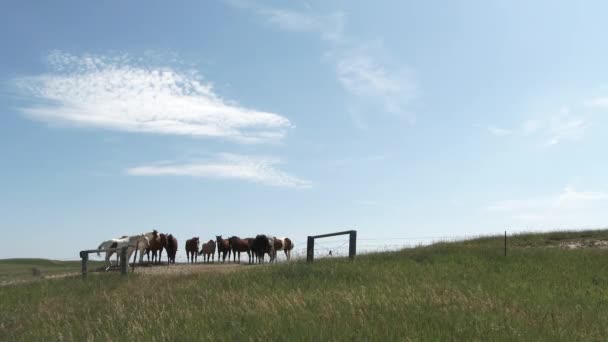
(465, 291)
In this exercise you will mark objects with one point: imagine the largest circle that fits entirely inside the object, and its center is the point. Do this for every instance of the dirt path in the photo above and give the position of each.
(164, 269)
(178, 269)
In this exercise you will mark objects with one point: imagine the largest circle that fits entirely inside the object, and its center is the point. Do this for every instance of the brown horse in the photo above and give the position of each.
(157, 243)
(223, 248)
(192, 249)
(253, 255)
(171, 248)
(238, 245)
(208, 251)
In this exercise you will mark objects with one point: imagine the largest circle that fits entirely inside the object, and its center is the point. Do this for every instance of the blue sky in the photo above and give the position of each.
(398, 119)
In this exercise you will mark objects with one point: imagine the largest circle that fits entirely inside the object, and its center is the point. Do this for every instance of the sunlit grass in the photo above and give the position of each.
(466, 290)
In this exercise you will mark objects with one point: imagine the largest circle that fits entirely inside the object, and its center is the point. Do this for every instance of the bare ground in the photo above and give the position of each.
(163, 269)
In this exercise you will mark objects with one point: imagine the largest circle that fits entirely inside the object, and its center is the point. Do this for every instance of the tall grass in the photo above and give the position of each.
(464, 291)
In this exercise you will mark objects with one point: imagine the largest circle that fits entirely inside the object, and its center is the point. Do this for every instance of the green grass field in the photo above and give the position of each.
(463, 291)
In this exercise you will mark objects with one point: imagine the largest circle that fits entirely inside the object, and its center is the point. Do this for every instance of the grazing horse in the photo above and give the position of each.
(223, 248)
(208, 251)
(171, 248)
(263, 244)
(238, 245)
(283, 244)
(108, 244)
(157, 243)
(135, 242)
(192, 249)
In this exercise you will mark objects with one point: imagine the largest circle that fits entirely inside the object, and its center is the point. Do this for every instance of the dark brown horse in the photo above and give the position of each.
(263, 244)
(238, 245)
(208, 251)
(223, 248)
(171, 248)
(192, 249)
(157, 243)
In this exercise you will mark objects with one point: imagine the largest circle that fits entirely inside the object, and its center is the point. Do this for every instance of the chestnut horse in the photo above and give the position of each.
(192, 249)
(171, 248)
(238, 245)
(283, 244)
(157, 243)
(208, 251)
(223, 248)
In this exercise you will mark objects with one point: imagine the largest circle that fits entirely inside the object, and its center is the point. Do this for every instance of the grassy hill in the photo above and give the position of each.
(465, 290)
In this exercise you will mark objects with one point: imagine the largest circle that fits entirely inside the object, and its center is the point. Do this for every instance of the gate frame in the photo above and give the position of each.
(352, 244)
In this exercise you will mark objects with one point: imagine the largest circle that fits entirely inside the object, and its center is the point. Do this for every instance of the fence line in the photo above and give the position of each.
(339, 246)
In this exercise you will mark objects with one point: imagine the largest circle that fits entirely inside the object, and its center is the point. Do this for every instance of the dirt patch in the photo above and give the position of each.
(577, 244)
(180, 269)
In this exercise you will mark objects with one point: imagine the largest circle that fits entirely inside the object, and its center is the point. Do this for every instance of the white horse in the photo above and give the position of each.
(111, 244)
(133, 243)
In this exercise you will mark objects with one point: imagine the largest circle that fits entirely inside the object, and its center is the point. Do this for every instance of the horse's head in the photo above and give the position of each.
(218, 238)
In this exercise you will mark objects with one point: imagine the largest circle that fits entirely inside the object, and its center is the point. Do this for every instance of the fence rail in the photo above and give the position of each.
(124, 262)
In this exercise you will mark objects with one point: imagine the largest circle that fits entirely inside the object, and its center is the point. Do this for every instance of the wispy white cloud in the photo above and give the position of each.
(373, 158)
(550, 130)
(362, 73)
(598, 102)
(227, 166)
(564, 207)
(122, 93)
(364, 69)
(329, 27)
(499, 132)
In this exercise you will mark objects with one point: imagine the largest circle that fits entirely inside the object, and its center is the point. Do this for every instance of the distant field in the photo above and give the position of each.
(22, 269)
(464, 291)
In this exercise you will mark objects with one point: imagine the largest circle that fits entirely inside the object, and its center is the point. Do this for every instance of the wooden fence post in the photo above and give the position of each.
(352, 245)
(310, 249)
(85, 257)
(505, 243)
(124, 263)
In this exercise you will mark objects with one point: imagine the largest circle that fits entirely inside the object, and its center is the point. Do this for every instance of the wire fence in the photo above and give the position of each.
(337, 247)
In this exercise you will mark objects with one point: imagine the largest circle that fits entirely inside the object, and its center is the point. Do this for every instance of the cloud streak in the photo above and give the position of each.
(118, 93)
(363, 69)
(260, 170)
(551, 130)
(569, 204)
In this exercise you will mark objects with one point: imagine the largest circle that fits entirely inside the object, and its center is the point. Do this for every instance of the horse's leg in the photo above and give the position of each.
(108, 263)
